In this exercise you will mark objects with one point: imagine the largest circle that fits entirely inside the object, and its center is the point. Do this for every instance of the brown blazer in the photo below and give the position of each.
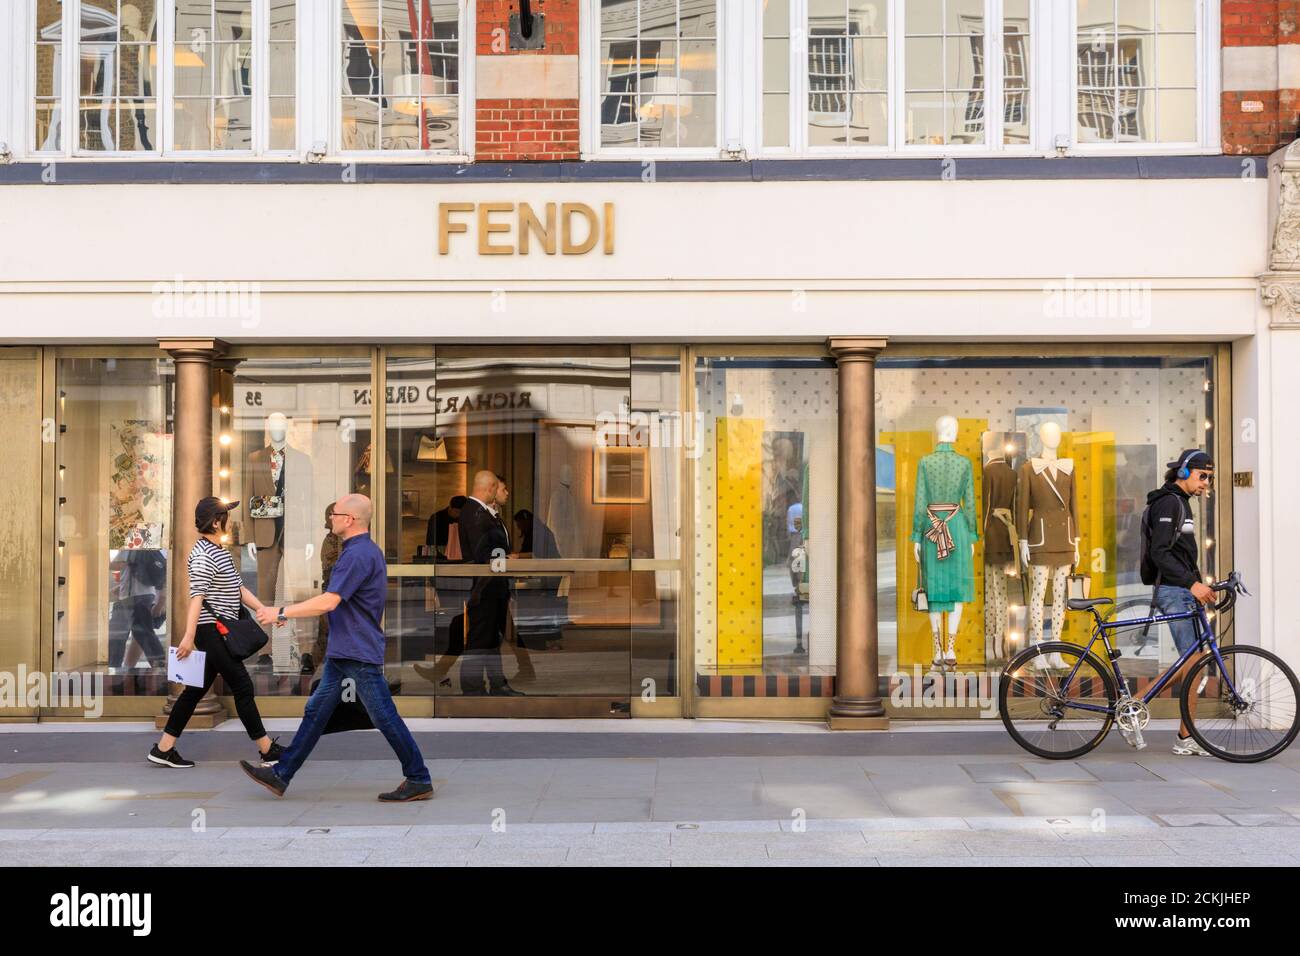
(297, 491)
(999, 491)
(1047, 512)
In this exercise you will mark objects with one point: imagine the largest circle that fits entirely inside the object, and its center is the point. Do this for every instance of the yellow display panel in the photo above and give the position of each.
(915, 646)
(1094, 483)
(740, 541)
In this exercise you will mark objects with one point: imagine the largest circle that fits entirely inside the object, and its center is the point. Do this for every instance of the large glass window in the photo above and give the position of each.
(1033, 456)
(848, 73)
(400, 75)
(658, 73)
(232, 89)
(113, 520)
(291, 436)
(765, 526)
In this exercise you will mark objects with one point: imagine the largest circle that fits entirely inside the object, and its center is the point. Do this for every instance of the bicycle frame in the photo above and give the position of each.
(1104, 629)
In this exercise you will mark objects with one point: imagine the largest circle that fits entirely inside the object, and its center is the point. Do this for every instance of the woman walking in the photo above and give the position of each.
(214, 586)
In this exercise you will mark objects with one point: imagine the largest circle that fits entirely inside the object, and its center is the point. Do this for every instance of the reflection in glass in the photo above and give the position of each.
(1117, 446)
(113, 520)
(401, 65)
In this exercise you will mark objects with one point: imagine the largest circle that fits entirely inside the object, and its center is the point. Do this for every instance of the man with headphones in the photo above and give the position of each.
(1170, 557)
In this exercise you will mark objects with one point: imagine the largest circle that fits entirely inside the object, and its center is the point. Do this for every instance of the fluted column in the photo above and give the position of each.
(191, 480)
(857, 704)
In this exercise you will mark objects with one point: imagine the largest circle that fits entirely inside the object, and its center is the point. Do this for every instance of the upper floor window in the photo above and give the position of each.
(1137, 71)
(658, 83)
(130, 77)
(875, 77)
(400, 88)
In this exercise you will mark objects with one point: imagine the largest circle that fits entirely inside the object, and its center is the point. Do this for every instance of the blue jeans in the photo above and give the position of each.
(372, 691)
(1173, 600)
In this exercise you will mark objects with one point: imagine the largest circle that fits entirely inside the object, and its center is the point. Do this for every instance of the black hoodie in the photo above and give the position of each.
(1169, 539)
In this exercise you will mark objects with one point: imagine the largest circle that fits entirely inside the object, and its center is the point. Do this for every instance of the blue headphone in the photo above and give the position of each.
(1183, 473)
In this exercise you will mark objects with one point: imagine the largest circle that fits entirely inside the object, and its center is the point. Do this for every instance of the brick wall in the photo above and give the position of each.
(527, 107)
(1261, 74)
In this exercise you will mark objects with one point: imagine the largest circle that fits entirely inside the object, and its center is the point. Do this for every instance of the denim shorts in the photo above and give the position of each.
(1172, 600)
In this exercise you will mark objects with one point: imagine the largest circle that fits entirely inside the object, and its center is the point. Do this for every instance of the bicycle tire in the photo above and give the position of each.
(1023, 659)
(1229, 653)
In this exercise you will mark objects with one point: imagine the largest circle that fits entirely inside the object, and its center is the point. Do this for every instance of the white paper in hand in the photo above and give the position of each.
(188, 671)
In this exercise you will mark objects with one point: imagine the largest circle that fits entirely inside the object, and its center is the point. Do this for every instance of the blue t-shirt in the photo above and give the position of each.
(360, 579)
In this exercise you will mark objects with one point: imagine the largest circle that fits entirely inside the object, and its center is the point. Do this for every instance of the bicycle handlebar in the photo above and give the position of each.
(1230, 588)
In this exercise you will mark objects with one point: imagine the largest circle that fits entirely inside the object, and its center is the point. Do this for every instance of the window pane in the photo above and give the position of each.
(868, 121)
(284, 21)
(115, 562)
(868, 63)
(1176, 60)
(924, 17)
(868, 17)
(698, 121)
(618, 18)
(193, 123)
(964, 16)
(699, 66)
(925, 118)
(1096, 116)
(1176, 16)
(360, 124)
(776, 119)
(283, 69)
(283, 123)
(1136, 16)
(776, 18)
(924, 63)
(776, 65)
(1015, 122)
(1177, 116)
(233, 123)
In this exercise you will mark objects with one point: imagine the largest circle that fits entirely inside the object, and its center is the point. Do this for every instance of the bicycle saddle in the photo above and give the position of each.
(1087, 604)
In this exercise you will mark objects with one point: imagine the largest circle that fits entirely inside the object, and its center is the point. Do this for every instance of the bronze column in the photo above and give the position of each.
(191, 480)
(857, 704)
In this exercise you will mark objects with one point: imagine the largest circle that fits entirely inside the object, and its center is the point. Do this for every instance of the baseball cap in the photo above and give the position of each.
(209, 508)
(1192, 458)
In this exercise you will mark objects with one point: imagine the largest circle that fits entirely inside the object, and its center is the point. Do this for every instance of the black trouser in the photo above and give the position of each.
(133, 618)
(482, 659)
(219, 661)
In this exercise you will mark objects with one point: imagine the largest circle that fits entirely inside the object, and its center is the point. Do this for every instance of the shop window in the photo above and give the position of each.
(400, 76)
(113, 515)
(765, 526)
(658, 77)
(291, 436)
(232, 69)
(1039, 455)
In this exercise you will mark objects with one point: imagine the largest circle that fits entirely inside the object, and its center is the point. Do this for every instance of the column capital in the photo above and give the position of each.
(194, 347)
(1281, 291)
(852, 348)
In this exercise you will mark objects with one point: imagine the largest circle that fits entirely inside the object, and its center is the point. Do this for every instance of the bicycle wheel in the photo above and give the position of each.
(1039, 708)
(1260, 721)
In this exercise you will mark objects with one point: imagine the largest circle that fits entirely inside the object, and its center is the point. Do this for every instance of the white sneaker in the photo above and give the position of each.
(1188, 747)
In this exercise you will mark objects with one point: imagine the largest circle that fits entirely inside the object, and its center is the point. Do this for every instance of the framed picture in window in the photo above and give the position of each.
(619, 475)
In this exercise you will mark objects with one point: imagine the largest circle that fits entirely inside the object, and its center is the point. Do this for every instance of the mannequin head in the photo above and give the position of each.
(945, 429)
(277, 427)
(566, 474)
(131, 21)
(1050, 433)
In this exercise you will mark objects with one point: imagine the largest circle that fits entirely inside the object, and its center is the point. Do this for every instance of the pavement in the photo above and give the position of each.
(642, 793)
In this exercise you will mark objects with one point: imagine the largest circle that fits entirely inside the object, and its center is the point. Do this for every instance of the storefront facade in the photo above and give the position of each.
(714, 389)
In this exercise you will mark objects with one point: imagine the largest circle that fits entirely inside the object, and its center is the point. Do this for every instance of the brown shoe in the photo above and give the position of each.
(407, 792)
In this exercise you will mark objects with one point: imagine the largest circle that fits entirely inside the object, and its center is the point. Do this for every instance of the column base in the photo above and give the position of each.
(209, 713)
(856, 723)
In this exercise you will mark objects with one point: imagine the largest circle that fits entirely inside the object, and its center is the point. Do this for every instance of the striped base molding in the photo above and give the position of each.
(764, 685)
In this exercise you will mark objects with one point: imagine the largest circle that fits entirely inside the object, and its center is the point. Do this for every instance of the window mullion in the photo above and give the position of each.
(994, 67)
(167, 76)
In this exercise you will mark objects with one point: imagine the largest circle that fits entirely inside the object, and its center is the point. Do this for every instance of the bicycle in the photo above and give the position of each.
(1248, 712)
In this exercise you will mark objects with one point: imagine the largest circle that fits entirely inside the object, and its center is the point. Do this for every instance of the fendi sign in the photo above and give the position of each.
(507, 228)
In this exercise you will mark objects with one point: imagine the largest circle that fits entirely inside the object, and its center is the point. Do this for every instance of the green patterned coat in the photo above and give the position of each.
(945, 477)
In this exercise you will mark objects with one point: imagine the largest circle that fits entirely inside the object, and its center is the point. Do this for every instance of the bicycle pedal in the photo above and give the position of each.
(1138, 743)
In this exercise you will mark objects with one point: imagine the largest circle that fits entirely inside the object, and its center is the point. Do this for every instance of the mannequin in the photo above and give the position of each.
(1047, 522)
(944, 535)
(1000, 546)
(280, 485)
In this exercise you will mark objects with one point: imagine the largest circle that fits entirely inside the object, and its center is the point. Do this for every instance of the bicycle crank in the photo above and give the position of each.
(1132, 716)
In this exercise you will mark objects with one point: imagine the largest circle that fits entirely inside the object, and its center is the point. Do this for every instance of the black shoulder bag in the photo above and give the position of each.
(244, 637)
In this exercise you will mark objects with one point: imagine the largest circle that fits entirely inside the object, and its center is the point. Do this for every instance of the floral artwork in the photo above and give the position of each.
(139, 484)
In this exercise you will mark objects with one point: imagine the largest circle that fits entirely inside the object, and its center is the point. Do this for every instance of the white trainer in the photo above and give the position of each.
(1188, 747)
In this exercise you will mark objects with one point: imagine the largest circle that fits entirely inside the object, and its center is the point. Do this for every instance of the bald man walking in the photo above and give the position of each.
(354, 661)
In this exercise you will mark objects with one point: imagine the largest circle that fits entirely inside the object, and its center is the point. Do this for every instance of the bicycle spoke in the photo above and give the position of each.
(1256, 720)
(1042, 712)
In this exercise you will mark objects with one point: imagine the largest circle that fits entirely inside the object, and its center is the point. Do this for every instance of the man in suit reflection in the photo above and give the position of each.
(483, 538)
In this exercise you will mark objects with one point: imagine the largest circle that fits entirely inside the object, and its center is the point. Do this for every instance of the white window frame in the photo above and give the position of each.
(22, 90)
(589, 96)
(467, 40)
(1051, 69)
